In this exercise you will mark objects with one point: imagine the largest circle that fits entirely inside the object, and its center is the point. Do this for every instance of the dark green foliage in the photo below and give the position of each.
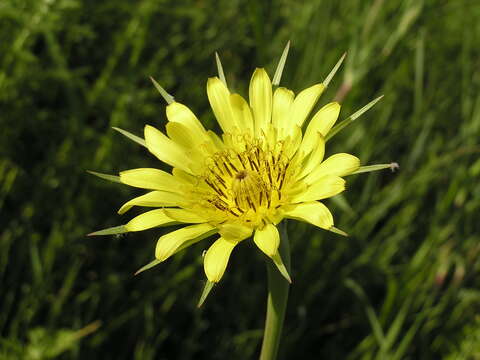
(404, 285)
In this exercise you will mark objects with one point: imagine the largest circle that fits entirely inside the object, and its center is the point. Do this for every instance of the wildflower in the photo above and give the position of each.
(243, 183)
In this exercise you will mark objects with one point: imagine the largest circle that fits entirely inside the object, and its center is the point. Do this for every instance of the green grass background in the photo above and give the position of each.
(404, 285)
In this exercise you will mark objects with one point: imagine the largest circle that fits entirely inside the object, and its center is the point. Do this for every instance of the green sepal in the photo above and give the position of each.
(344, 123)
(206, 290)
(363, 169)
(281, 64)
(112, 178)
(168, 98)
(132, 137)
(110, 231)
(148, 266)
(338, 231)
(334, 71)
(277, 260)
(221, 74)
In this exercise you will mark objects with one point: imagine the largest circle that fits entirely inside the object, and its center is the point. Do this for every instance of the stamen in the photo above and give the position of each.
(219, 178)
(234, 214)
(241, 160)
(252, 162)
(247, 178)
(251, 204)
(226, 168)
(233, 166)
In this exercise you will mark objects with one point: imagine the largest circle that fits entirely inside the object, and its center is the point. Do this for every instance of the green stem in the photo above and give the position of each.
(278, 288)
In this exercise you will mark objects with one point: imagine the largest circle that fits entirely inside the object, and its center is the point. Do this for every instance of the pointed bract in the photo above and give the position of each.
(166, 96)
(281, 64)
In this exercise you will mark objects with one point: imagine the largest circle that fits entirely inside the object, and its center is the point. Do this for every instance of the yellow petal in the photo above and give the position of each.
(243, 114)
(219, 98)
(148, 178)
(177, 240)
(182, 135)
(149, 220)
(187, 179)
(292, 141)
(179, 113)
(323, 120)
(311, 212)
(282, 101)
(154, 199)
(236, 232)
(260, 95)
(216, 140)
(303, 104)
(340, 164)
(183, 216)
(267, 239)
(325, 187)
(216, 259)
(312, 155)
(165, 149)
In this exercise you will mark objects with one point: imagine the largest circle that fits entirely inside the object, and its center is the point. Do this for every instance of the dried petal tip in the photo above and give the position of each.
(394, 166)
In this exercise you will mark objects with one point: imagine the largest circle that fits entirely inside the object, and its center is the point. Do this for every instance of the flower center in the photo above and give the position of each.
(249, 190)
(246, 179)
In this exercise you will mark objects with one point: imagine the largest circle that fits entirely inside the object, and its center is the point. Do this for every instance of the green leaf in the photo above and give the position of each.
(369, 310)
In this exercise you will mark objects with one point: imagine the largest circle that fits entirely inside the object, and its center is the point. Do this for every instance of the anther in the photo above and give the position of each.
(240, 175)
(233, 166)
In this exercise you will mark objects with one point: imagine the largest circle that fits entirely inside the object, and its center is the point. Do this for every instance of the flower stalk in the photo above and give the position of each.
(278, 288)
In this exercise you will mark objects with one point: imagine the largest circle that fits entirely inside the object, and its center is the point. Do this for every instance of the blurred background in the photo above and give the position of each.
(404, 285)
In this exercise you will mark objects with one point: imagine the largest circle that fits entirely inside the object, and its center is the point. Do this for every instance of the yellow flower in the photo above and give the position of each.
(243, 183)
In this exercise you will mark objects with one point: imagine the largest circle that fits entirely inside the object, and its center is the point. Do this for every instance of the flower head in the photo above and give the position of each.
(262, 169)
